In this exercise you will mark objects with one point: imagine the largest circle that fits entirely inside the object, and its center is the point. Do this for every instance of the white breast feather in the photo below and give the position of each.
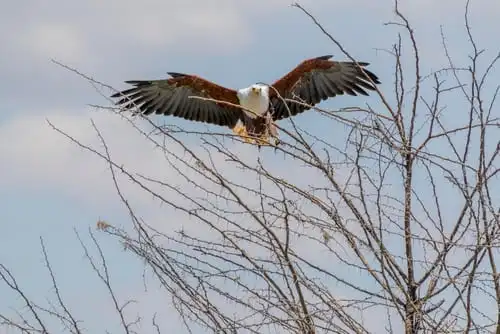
(256, 103)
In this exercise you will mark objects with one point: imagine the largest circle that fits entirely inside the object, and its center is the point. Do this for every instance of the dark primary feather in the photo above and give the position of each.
(318, 79)
(171, 97)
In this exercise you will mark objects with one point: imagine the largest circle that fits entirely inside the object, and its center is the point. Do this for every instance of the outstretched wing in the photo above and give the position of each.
(317, 79)
(171, 97)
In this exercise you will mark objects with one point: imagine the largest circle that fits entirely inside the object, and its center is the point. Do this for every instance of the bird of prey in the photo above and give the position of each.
(250, 112)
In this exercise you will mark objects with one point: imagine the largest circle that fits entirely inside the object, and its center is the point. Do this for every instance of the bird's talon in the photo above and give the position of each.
(241, 131)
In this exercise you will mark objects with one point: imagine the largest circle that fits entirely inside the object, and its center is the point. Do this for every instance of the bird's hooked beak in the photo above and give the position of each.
(256, 90)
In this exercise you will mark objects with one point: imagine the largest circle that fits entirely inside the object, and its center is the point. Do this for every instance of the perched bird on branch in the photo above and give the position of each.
(250, 112)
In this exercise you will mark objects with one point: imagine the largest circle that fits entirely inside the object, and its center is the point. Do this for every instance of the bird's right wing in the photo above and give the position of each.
(317, 79)
(171, 97)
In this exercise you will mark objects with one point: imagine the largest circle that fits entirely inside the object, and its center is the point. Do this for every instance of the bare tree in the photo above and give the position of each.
(393, 229)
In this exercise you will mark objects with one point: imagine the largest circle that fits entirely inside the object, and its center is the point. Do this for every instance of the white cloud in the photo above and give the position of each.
(40, 158)
(56, 40)
(37, 157)
(78, 33)
(158, 23)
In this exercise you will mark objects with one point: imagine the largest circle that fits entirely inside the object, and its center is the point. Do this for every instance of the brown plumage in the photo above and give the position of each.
(310, 82)
(170, 97)
(318, 79)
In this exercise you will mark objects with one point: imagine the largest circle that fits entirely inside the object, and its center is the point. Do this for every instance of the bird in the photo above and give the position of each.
(250, 112)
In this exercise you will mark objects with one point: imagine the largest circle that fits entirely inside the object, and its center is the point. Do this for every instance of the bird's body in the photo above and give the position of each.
(255, 103)
(251, 111)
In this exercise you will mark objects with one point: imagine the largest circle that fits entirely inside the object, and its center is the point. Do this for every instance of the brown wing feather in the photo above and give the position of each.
(318, 79)
(171, 97)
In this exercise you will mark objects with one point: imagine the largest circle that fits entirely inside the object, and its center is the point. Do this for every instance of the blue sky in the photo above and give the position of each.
(50, 187)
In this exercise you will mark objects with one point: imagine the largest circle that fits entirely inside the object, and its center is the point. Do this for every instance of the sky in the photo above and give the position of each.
(49, 187)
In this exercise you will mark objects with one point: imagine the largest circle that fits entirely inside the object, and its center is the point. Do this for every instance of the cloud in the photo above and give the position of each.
(159, 23)
(29, 141)
(113, 40)
(36, 157)
(79, 32)
(51, 39)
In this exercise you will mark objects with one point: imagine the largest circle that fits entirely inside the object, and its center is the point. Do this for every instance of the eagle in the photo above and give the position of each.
(252, 111)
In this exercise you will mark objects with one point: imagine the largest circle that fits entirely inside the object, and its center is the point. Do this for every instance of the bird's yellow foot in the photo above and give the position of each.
(241, 131)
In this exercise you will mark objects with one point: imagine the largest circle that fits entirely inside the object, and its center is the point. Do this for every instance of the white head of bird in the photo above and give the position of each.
(254, 98)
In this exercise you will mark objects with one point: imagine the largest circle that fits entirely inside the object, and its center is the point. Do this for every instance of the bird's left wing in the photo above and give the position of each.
(171, 97)
(317, 79)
